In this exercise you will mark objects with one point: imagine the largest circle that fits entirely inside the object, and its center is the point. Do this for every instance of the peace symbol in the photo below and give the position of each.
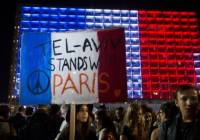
(38, 82)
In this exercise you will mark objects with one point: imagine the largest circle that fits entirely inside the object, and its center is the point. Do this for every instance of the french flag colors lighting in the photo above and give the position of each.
(162, 47)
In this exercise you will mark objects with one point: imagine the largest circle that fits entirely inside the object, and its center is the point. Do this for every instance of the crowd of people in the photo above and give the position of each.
(175, 120)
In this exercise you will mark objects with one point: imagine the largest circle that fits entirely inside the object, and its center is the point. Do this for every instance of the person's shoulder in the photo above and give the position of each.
(155, 134)
(168, 123)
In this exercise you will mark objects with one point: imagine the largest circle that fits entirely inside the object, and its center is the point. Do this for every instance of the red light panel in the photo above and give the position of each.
(168, 42)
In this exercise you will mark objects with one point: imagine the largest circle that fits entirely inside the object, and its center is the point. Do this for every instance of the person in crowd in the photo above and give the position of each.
(63, 110)
(102, 107)
(186, 125)
(157, 122)
(118, 122)
(146, 124)
(130, 123)
(38, 126)
(83, 129)
(104, 125)
(143, 108)
(146, 118)
(29, 113)
(19, 121)
(55, 121)
(167, 112)
(4, 124)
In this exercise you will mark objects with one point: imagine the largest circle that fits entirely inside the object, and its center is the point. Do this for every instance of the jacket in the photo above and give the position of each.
(168, 130)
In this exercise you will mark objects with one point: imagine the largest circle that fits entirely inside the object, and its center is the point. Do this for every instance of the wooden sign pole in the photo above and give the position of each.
(72, 122)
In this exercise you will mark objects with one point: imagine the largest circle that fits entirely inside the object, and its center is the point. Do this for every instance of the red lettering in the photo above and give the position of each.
(83, 82)
(69, 79)
(93, 82)
(103, 81)
(55, 84)
(68, 83)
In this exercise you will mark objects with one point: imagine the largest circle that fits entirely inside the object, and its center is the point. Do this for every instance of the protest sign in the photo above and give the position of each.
(78, 67)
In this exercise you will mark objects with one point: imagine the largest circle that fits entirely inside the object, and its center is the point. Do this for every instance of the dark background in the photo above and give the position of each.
(8, 12)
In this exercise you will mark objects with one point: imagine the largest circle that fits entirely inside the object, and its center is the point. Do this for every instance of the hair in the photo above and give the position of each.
(29, 110)
(82, 128)
(106, 121)
(102, 107)
(54, 109)
(131, 116)
(78, 107)
(185, 87)
(120, 109)
(120, 115)
(170, 110)
(144, 108)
